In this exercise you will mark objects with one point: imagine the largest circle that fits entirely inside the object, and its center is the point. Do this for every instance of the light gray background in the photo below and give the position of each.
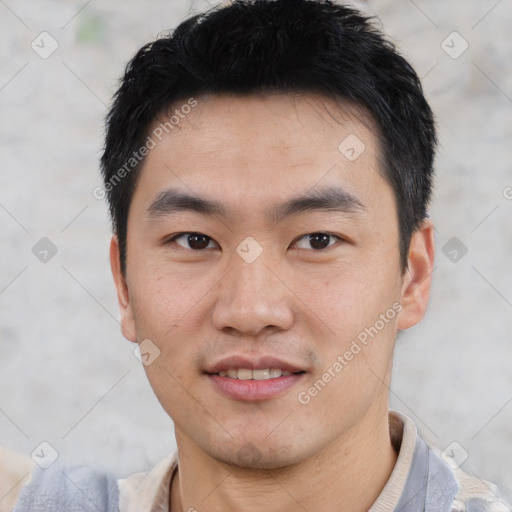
(68, 377)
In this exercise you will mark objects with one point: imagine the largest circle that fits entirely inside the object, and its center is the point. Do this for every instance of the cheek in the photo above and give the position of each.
(360, 309)
(163, 299)
(166, 312)
(350, 294)
(175, 389)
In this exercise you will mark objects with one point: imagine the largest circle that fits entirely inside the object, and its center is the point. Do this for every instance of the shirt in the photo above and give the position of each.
(422, 480)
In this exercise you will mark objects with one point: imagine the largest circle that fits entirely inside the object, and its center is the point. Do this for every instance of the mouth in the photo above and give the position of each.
(254, 379)
(262, 374)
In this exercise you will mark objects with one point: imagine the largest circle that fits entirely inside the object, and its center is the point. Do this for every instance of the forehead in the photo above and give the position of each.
(283, 119)
(262, 147)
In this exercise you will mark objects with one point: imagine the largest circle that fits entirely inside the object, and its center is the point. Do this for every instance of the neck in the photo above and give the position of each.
(351, 471)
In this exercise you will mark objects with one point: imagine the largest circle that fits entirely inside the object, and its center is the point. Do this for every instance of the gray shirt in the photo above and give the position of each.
(423, 480)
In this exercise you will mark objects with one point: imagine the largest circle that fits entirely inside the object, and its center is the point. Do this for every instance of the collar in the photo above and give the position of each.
(419, 482)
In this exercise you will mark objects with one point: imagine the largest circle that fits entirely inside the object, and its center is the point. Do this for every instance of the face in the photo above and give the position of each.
(263, 236)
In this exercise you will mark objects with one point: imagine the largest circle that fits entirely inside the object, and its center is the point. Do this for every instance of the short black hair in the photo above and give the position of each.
(264, 46)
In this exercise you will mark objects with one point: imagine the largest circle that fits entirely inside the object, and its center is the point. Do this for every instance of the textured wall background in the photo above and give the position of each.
(68, 377)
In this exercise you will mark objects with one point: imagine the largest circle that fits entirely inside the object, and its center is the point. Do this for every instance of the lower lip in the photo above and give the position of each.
(251, 390)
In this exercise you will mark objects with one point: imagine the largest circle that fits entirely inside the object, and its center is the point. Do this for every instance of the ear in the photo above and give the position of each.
(123, 297)
(418, 276)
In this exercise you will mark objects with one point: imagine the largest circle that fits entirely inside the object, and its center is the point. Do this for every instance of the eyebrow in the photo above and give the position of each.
(330, 198)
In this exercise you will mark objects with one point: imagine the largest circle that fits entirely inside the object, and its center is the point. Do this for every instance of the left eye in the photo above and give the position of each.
(317, 241)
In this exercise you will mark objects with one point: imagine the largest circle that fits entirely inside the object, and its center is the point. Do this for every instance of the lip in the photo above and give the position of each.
(254, 390)
(252, 363)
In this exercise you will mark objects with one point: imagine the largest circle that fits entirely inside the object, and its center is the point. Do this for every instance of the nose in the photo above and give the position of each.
(252, 298)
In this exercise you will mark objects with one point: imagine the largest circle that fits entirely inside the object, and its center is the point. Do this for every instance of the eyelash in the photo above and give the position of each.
(188, 233)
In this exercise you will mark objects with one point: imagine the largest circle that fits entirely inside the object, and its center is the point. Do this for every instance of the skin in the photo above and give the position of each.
(297, 302)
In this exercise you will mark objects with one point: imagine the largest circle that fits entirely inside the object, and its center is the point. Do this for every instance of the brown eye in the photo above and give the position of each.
(194, 241)
(316, 241)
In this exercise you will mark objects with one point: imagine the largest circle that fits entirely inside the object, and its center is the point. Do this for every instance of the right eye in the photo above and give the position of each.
(194, 241)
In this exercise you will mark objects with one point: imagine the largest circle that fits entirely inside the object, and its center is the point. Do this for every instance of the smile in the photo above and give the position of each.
(248, 374)
(254, 385)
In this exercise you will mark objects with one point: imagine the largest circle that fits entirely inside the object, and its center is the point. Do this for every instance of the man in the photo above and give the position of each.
(268, 168)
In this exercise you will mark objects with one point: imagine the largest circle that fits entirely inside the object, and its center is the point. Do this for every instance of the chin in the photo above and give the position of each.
(257, 456)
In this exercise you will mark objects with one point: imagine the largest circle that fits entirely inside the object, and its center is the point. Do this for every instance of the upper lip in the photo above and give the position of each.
(252, 363)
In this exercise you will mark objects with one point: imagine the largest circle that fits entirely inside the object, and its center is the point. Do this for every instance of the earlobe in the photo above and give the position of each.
(123, 296)
(418, 276)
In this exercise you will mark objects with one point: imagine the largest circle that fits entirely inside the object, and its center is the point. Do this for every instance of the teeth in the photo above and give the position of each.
(244, 374)
(261, 374)
(247, 374)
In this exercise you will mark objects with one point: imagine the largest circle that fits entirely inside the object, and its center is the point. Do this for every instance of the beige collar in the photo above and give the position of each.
(150, 491)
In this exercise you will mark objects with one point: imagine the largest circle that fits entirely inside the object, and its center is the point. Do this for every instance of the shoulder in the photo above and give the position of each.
(434, 480)
(148, 490)
(474, 493)
(477, 495)
(26, 487)
(15, 472)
